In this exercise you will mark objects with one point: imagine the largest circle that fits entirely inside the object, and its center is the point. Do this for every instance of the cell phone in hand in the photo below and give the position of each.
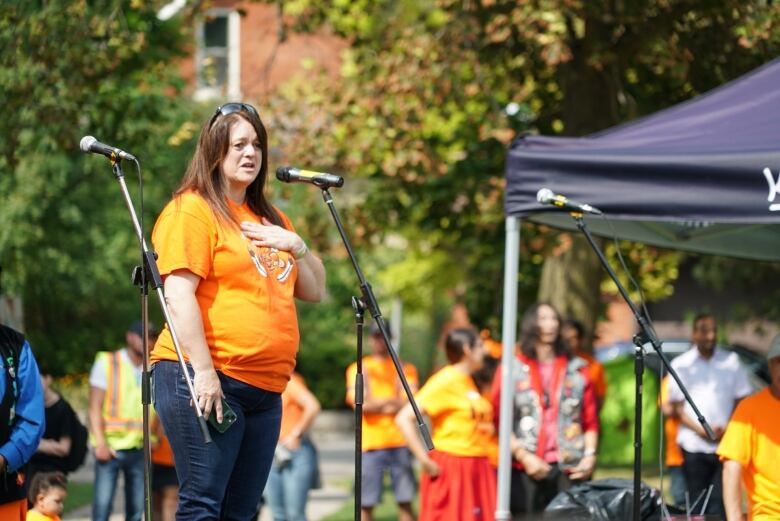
(228, 417)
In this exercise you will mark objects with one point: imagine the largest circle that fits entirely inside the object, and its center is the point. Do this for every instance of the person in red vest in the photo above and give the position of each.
(555, 428)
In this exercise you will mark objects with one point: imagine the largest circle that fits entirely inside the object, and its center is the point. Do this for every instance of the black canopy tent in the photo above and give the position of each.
(702, 176)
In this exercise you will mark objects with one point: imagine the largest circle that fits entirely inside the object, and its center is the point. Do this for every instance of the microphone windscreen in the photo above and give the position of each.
(545, 195)
(86, 143)
(283, 173)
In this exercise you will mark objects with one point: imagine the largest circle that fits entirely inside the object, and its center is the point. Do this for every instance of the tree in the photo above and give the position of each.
(71, 68)
(433, 91)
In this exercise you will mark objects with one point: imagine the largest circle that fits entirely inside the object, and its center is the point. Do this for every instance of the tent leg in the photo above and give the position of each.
(508, 337)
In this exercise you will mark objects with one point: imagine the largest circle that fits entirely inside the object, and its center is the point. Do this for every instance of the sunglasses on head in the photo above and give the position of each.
(229, 108)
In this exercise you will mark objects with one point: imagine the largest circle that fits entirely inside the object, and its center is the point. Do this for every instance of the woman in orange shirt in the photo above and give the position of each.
(458, 482)
(232, 266)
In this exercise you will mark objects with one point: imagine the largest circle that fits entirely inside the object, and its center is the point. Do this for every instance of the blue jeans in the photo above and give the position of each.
(677, 486)
(131, 463)
(221, 480)
(289, 484)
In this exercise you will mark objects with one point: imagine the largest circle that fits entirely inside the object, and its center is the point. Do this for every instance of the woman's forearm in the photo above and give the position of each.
(180, 289)
(310, 285)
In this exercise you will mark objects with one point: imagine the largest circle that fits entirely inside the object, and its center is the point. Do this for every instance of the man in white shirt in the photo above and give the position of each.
(716, 381)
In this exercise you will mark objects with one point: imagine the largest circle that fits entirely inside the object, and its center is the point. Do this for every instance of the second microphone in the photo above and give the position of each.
(289, 174)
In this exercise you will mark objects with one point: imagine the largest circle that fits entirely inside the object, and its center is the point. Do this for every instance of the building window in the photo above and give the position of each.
(218, 55)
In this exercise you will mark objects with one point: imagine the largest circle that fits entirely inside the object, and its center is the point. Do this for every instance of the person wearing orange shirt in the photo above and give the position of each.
(294, 471)
(384, 448)
(165, 484)
(458, 483)
(573, 334)
(232, 266)
(750, 450)
(674, 455)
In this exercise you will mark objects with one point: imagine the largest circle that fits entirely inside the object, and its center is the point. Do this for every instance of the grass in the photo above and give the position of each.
(79, 495)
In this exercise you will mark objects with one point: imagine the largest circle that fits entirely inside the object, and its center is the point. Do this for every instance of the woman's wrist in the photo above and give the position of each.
(301, 251)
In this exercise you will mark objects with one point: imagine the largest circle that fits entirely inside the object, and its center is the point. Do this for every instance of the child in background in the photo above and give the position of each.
(47, 495)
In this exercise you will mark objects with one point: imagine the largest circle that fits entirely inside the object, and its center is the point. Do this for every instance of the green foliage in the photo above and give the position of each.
(431, 92)
(654, 269)
(71, 68)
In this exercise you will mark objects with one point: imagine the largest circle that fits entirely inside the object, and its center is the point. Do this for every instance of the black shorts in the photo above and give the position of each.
(163, 476)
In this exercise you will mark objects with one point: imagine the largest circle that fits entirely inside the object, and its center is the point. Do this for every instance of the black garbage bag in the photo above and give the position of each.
(605, 500)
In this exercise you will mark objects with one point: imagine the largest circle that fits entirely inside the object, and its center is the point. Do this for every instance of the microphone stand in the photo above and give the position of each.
(644, 336)
(368, 301)
(142, 275)
(360, 310)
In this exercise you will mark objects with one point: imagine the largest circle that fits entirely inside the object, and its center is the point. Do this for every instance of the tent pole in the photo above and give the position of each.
(508, 337)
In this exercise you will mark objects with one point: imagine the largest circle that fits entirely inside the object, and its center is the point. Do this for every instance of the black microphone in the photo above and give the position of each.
(546, 196)
(289, 174)
(90, 144)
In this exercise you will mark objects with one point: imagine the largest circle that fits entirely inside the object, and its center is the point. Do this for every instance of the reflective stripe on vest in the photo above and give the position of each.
(122, 407)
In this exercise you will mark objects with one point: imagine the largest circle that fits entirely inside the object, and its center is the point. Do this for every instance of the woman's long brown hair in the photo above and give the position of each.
(204, 174)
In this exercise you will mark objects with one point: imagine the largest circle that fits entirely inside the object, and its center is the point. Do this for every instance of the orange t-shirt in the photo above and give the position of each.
(595, 372)
(462, 418)
(674, 457)
(162, 454)
(752, 438)
(291, 404)
(245, 295)
(380, 381)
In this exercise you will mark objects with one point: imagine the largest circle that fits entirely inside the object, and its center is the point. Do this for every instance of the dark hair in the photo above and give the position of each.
(529, 332)
(576, 325)
(456, 340)
(483, 377)
(44, 481)
(204, 174)
(702, 316)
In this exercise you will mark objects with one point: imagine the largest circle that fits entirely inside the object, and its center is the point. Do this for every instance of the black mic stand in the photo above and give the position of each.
(644, 336)
(360, 310)
(368, 301)
(141, 277)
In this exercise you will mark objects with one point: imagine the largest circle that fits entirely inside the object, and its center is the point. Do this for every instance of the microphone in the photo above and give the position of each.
(90, 144)
(289, 174)
(546, 196)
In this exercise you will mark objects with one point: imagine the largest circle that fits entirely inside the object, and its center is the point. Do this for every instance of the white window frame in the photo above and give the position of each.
(231, 90)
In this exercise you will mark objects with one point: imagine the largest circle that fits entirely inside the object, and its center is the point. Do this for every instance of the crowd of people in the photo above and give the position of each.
(233, 266)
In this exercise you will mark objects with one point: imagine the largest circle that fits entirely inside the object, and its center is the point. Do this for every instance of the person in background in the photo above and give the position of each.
(384, 447)
(716, 381)
(573, 334)
(165, 484)
(458, 483)
(48, 491)
(55, 445)
(294, 471)
(232, 266)
(750, 450)
(21, 420)
(116, 425)
(674, 457)
(483, 378)
(555, 430)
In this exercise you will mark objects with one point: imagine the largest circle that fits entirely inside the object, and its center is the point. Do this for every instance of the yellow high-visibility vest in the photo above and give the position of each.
(122, 407)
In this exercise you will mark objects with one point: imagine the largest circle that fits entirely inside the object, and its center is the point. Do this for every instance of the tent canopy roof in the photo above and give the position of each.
(701, 176)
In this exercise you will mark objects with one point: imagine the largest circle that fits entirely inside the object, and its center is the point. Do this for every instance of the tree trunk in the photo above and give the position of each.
(571, 280)
(571, 283)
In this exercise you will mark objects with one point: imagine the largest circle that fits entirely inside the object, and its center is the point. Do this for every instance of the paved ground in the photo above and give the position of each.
(336, 463)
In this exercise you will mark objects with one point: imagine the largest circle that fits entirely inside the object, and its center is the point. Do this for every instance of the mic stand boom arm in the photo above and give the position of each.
(369, 300)
(645, 335)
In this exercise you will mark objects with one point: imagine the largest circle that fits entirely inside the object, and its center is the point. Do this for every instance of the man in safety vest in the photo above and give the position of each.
(116, 425)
